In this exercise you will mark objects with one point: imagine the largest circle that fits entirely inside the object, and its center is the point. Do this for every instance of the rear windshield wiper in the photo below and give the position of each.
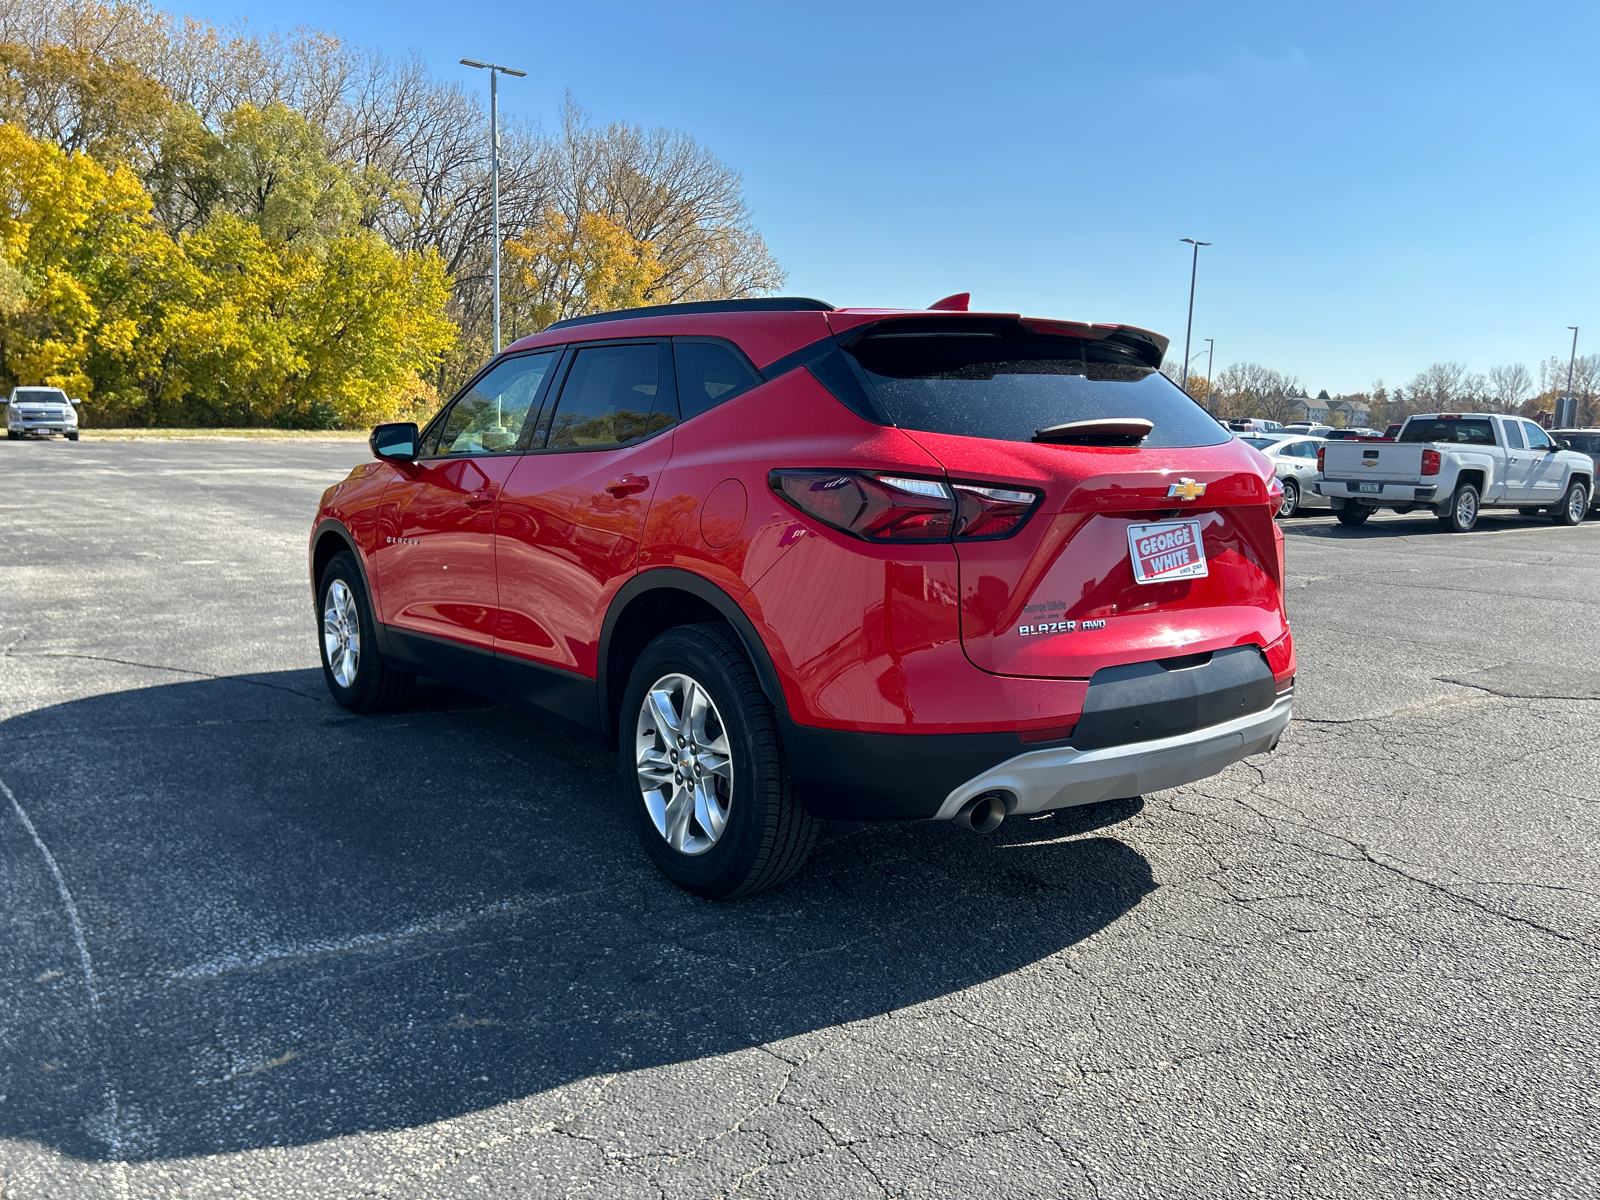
(1105, 431)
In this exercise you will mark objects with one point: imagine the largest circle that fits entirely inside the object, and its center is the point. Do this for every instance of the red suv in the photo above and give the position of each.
(802, 562)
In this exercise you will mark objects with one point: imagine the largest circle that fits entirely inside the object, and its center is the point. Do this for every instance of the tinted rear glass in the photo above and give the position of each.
(1476, 432)
(1006, 387)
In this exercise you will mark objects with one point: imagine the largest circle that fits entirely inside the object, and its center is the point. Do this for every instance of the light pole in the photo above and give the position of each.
(495, 72)
(1571, 416)
(1211, 361)
(1194, 268)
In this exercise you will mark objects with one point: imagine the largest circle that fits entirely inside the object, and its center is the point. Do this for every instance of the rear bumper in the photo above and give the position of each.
(1388, 491)
(1061, 777)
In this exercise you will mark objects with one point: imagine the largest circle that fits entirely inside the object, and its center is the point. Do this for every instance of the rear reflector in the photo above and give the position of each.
(897, 508)
(1430, 462)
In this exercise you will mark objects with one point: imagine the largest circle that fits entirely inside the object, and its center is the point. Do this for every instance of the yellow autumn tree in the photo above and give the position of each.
(561, 268)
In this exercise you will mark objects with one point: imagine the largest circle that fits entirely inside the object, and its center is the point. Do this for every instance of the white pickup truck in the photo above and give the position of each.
(1456, 464)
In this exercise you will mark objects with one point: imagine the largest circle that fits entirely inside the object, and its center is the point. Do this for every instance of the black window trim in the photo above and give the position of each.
(535, 406)
(665, 366)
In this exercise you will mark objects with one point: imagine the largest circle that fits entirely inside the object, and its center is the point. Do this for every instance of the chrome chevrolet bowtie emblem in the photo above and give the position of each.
(1186, 489)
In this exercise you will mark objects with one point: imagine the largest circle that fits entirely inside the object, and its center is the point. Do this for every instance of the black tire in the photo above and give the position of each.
(1574, 504)
(1461, 515)
(13, 436)
(375, 686)
(72, 437)
(1290, 504)
(1353, 514)
(767, 832)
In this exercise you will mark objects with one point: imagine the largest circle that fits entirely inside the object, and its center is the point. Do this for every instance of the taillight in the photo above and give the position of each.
(897, 508)
(1321, 453)
(990, 512)
(1430, 462)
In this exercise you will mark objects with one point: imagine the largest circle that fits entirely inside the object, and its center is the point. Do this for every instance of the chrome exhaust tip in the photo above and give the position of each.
(983, 813)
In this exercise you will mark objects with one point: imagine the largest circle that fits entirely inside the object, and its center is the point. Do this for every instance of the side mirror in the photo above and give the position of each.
(396, 441)
(75, 403)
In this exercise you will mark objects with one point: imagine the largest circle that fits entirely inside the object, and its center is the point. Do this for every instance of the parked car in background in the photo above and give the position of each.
(1243, 425)
(1294, 462)
(1351, 435)
(41, 412)
(1457, 464)
(798, 562)
(1584, 441)
(1393, 431)
(1306, 428)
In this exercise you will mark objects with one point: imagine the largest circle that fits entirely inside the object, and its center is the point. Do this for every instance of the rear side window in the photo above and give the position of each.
(611, 396)
(708, 374)
(1513, 436)
(990, 385)
(1586, 443)
(1475, 431)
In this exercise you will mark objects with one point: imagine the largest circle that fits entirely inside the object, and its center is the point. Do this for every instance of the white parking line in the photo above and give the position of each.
(85, 961)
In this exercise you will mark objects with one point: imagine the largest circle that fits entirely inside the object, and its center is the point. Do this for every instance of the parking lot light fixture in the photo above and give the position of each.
(495, 71)
(1194, 267)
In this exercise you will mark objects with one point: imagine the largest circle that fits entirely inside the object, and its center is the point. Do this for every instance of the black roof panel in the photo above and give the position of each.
(761, 304)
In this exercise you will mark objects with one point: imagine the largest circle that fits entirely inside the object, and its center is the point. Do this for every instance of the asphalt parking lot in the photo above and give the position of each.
(252, 945)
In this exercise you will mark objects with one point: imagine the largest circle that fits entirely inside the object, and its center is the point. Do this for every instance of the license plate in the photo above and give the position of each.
(1166, 551)
(1370, 487)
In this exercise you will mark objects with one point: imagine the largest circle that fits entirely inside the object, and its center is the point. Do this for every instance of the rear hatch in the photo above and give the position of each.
(1061, 596)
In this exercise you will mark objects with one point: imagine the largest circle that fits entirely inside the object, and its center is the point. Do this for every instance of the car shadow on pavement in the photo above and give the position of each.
(298, 924)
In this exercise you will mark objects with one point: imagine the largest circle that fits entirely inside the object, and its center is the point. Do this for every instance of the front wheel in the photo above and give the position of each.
(704, 769)
(1574, 505)
(1461, 514)
(356, 675)
(1353, 514)
(1290, 504)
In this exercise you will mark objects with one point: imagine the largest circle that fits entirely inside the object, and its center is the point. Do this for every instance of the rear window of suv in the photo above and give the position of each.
(1475, 432)
(1006, 387)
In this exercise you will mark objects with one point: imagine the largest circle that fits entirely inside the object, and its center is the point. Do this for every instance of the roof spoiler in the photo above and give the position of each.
(1150, 348)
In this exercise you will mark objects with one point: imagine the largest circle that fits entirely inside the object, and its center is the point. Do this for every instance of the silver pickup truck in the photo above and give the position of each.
(1456, 464)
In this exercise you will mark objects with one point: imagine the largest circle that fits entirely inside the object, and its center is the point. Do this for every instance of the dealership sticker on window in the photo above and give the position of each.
(1167, 551)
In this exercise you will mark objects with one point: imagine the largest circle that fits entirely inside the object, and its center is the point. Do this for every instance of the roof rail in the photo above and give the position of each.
(761, 304)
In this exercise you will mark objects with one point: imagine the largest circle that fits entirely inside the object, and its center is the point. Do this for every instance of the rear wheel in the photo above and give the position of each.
(1290, 504)
(1574, 505)
(704, 769)
(356, 675)
(1462, 512)
(1353, 514)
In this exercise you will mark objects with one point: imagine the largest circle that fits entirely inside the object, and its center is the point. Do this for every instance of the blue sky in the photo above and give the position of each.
(1385, 185)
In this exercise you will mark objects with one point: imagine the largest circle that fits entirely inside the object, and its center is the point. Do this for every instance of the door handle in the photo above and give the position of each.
(627, 485)
(477, 498)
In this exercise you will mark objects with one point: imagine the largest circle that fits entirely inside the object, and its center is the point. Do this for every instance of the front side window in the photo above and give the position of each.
(708, 374)
(488, 417)
(611, 396)
(1008, 386)
(1537, 438)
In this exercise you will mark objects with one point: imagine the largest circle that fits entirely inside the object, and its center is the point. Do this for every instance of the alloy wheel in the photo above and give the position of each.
(685, 763)
(1577, 504)
(1466, 508)
(341, 633)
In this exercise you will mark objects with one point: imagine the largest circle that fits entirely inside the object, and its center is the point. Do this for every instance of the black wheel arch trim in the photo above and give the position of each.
(676, 579)
(338, 528)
